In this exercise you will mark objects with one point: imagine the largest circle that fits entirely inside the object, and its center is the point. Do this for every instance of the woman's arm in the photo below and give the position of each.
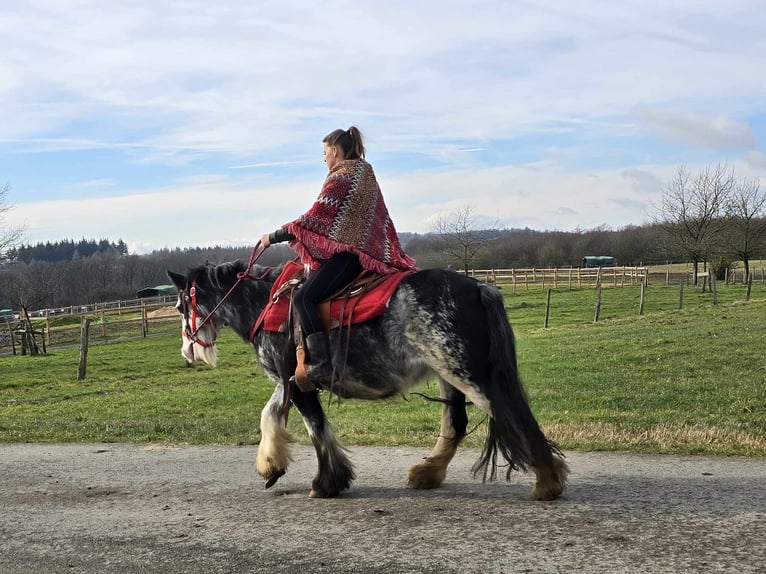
(278, 236)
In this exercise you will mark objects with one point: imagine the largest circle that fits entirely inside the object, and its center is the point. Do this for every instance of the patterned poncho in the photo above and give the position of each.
(350, 215)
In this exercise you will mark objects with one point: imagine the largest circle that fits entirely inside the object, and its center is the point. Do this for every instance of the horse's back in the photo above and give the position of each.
(446, 292)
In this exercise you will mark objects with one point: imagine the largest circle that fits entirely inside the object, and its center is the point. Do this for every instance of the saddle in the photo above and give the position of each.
(363, 299)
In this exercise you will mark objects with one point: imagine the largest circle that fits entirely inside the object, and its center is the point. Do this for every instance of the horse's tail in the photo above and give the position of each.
(513, 431)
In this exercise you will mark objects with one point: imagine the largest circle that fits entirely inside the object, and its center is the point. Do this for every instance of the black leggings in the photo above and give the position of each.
(334, 274)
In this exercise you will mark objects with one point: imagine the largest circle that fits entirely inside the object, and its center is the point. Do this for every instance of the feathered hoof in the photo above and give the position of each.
(551, 481)
(426, 475)
(322, 494)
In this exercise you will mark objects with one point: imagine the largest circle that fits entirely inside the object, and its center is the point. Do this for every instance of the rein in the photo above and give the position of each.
(190, 332)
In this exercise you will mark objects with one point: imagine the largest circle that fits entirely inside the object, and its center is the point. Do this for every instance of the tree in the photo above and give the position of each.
(29, 285)
(8, 235)
(746, 218)
(692, 211)
(458, 236)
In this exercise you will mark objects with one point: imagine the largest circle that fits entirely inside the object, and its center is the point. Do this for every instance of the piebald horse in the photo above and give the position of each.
(438, 325)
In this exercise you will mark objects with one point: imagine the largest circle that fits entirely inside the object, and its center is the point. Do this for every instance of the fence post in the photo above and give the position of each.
(12, 335)
(84, 328)
(103, 322)
(641, 299)
(598, 301)
(513, 280)
(47, 335)
(547, 308)
(144, 319)
(681, 294)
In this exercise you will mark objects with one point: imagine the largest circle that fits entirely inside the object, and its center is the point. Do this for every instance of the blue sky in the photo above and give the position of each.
(198, 123)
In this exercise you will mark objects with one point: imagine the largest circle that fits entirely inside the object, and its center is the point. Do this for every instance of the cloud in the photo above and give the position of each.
(645, 183)
(203, 121)
(756, 159)
(716, 133)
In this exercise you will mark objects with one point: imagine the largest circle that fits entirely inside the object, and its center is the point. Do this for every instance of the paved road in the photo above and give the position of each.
(137, 508)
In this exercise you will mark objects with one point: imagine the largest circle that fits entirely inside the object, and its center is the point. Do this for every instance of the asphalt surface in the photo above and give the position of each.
(138, 508)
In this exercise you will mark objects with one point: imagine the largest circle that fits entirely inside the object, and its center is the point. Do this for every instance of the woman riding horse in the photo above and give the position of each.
(348, 229)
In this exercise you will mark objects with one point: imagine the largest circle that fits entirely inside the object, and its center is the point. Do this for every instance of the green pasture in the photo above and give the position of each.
(683, 381)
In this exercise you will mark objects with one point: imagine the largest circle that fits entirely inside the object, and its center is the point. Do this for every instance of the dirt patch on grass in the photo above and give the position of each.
(163, 312)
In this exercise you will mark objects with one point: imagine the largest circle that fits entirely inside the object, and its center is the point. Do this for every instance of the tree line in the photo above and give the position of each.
(65, 250)
(111, 275)
(710, 218)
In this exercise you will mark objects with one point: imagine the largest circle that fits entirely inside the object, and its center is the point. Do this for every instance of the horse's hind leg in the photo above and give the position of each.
(334, 473)
(431, 472)
(514, 433)
(274, 449)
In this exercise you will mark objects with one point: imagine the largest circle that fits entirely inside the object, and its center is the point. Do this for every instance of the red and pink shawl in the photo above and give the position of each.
(350, 215)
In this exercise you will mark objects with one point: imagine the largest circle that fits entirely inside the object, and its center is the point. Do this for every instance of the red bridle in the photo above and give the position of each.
(191, 329)
(190, 301)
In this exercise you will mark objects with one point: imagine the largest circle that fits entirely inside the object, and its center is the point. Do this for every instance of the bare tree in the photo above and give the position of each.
(458, 236)
(29, 285)
(746, 218)
(8, 235)
(692, 211)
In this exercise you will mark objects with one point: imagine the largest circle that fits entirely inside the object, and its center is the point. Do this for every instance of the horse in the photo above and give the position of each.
(438, 324)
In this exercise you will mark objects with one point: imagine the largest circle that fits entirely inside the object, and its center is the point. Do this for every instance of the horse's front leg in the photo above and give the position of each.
(433, 470)
(335, 472)
(274, 449)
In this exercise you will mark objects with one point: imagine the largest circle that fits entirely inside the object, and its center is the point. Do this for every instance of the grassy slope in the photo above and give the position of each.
(670, 381)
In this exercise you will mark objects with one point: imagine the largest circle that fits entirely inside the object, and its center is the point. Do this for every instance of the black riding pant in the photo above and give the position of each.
(334, 274)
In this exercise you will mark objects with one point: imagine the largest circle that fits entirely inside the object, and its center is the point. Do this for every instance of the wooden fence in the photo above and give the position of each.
(110, 321)
(579, 277)
(562, 277)
(121, 306)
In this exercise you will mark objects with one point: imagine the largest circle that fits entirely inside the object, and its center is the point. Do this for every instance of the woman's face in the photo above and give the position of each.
(332, 155)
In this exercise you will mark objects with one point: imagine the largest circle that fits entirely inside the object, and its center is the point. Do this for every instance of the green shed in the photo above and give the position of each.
(156, 291)
(598, 261)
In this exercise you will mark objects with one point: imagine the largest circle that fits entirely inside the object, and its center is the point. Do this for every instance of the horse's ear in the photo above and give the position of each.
(178, 280)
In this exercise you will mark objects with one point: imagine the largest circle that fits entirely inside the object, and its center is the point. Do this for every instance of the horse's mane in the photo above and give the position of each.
(221, 274)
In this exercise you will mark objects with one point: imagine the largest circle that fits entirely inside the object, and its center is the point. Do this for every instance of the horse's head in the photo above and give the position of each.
(199, 328)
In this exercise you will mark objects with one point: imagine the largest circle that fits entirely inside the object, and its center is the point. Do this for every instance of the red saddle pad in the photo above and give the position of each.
(365, 306)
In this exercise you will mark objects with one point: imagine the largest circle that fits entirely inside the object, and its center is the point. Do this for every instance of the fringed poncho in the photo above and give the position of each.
(350, 215)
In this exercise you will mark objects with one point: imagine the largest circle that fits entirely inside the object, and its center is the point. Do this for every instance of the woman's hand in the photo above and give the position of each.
(265, 240)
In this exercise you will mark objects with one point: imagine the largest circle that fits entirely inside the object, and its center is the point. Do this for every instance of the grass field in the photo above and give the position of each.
(682, 381)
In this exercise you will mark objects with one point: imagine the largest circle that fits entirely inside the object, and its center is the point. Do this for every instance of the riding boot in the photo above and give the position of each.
(320, 364)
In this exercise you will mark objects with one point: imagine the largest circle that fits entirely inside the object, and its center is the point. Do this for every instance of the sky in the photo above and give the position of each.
(195, 123)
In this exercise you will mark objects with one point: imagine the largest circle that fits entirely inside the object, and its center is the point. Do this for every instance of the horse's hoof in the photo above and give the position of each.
(426, 475)
(551, 481)
(319, 494)
(274, 478)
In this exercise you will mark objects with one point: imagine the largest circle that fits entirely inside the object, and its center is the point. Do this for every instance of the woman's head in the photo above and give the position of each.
(343, 144)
